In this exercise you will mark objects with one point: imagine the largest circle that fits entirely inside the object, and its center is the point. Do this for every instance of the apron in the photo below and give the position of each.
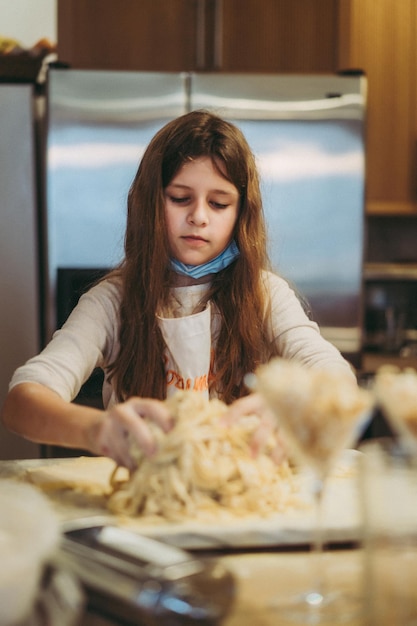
(188, 352)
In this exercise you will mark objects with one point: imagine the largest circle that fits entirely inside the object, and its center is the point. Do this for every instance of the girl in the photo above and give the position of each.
(192, 305)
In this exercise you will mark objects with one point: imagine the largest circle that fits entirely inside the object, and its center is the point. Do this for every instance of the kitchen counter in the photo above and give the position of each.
(372, 361)
(260, 574)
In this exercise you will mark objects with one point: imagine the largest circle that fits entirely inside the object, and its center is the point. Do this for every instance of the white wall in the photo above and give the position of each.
(28, 20)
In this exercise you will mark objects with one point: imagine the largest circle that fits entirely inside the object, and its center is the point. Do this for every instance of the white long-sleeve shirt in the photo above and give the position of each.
(90, 339)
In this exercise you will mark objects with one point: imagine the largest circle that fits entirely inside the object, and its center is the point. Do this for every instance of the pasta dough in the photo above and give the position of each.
(204, 465)
(90, 475)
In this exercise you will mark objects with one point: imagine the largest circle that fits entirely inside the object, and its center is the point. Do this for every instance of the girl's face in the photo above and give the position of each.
(201, 209)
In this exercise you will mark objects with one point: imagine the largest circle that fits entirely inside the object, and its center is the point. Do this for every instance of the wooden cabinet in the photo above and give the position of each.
(275, 36)
(130, 34)
(203, 35)
(380, 37)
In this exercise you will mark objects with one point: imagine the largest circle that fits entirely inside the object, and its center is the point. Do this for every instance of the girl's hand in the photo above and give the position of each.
(254, 404)
(111, 436)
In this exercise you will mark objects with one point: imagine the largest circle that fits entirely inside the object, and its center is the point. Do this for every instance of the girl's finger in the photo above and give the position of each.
(132, 416)
(151, 409)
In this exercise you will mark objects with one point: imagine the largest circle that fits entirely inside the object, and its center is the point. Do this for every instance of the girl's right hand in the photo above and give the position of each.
(112, 431)
(254, 404)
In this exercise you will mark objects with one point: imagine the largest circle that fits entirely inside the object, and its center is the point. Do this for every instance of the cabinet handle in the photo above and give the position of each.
(201, 35)
(218, 34)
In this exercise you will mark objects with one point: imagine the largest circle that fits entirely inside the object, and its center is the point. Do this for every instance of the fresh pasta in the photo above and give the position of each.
(204, 465)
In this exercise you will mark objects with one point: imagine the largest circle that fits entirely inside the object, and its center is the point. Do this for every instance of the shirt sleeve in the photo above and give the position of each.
(296, 336)
(87, 340)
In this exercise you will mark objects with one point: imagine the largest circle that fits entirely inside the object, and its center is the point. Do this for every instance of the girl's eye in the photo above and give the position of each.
(177, 200)
(218, 205)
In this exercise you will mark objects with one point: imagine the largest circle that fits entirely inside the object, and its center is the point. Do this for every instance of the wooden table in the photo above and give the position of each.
(262, 576)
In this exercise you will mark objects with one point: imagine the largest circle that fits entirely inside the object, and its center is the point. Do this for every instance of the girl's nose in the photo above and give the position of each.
(198, 214)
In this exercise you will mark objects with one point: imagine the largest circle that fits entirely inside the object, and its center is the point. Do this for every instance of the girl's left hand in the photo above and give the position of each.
(254, 404)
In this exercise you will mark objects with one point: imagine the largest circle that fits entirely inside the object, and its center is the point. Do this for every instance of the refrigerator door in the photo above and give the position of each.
(19, 278)
(99, 124)
(307, 133)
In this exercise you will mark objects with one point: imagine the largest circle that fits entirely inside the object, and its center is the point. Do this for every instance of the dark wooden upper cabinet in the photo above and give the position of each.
(155, 35)
(276, 36)
(199, 35)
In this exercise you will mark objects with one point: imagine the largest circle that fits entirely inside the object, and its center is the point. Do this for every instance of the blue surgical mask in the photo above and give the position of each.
(225, 258)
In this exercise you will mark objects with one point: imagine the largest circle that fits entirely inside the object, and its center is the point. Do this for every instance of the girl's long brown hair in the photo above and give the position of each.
(145, 273)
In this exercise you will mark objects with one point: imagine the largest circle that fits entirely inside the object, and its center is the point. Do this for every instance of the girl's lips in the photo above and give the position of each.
(192, 239)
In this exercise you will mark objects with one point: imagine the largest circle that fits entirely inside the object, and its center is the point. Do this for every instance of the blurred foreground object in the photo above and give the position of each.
(396, 393)
(29, 534)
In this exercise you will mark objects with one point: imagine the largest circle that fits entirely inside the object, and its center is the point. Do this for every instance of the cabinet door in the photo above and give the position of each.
(154, 35)
(380, 38)
(210, 35)
(275, 35)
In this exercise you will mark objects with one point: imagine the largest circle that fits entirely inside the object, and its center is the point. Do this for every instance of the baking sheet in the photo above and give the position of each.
(294, 527)
(341, 519)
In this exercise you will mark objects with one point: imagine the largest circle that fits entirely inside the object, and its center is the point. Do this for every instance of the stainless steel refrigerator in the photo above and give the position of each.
(19, 277)
(307, 133)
